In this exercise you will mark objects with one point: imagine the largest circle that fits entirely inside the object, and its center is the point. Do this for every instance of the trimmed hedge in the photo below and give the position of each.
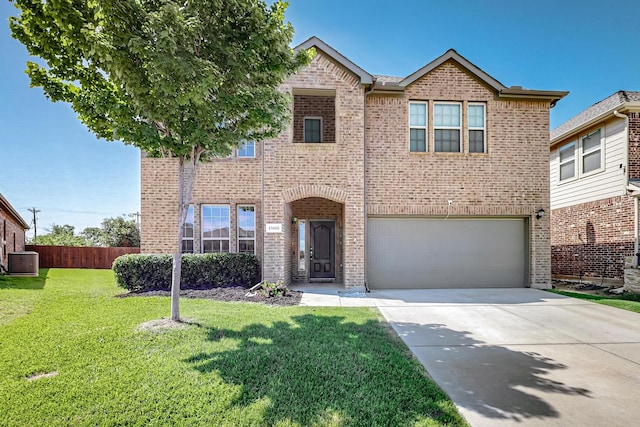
(136, 272)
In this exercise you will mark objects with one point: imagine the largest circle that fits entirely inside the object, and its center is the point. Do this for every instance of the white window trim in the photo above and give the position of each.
(246, 157)
(483, 128)
(560, 163)
(238, 227)
(593, 150)
(202, 238)
(192, 238)
(459, 128)
(304, 128)
(425, 127)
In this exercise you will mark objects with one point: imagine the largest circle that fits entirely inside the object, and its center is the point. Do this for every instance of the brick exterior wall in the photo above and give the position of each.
(634, 145)
(326, 180)
(494, 183)
(12, 233)
(592, 239)
(315, 106)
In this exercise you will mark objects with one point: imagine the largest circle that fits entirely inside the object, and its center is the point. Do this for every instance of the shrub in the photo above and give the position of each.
(274, 289)
(136, 272)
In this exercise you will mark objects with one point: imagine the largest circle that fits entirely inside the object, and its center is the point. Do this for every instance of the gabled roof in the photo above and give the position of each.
(5, 206)
(365, 78)
(597, 112)
(452, 54)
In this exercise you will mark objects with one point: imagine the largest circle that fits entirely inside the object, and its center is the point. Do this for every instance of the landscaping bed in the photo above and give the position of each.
(226, 294)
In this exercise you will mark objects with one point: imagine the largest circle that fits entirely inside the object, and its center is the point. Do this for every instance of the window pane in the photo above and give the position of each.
(301, 245)
(476, 116)
(417, 114)
(188, 225)
(246, 246)
(567, 152)
(447, 140)
(591, 141)
(312, 131)
(417, 140)
(591, 161)
(187, 246)
(215, 221)
(247, 149)
(446, 115)
(246, 221)
(567, 170)
(476, 141)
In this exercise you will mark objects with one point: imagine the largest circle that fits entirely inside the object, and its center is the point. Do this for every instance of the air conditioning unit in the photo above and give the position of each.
(23, 263)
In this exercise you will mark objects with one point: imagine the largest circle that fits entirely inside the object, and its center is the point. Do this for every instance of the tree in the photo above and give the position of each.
(92, 236)
(60, 235)
(120, 232)
(183, 79)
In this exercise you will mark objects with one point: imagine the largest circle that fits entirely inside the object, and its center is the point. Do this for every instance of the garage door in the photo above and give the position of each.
(447, 253)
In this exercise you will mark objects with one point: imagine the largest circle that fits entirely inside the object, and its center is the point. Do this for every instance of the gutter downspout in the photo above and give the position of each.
(625, 182)
(364, 174)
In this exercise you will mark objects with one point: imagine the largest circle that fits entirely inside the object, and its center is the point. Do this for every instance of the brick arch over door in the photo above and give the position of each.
(304, 191)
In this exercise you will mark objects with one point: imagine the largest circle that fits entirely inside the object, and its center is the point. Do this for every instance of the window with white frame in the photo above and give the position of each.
(567, 158)
(417, 127)
(247, 229)
(247, 149)
(302, 225)
(215, 228)
(592, 152)
(187, 232)
(446, 127)
(477, 128)
(312, 129)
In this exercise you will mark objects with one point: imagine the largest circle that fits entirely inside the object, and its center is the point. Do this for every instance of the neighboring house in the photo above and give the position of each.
(595, 185)
(426, 181)
(12, 231)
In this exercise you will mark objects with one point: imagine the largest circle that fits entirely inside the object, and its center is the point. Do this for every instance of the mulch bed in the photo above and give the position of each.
(227, 294)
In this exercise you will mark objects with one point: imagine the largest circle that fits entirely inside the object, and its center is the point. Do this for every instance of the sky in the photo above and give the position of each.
(50, 161)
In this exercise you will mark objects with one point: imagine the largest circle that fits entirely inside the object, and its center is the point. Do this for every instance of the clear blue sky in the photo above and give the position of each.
(587, 47)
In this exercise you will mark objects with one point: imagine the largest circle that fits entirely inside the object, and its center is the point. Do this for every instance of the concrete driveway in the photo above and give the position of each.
(519, 356)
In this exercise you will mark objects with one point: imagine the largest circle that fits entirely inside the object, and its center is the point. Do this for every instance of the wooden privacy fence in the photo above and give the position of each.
(78, 256)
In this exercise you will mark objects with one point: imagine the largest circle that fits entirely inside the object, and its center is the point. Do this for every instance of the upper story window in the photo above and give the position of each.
(567, 161)
(247, 149)
(313, 129)
(215, 228)
(187, 232)
(477, 128)
(418, 127)
(592, 152)
(247, 229)
(447, 127)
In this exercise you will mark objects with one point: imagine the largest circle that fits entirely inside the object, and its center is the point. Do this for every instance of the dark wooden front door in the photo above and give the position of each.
(322, 252)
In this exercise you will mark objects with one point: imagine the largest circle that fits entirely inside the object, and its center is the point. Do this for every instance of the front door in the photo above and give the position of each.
(322, 254)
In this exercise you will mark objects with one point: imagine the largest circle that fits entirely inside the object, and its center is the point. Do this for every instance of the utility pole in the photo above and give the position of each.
(137, 215)
(34, 211)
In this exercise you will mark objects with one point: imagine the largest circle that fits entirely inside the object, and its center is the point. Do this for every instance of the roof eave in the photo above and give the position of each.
(365, 78)
(6, 205)
(627, 106)
(549, 95)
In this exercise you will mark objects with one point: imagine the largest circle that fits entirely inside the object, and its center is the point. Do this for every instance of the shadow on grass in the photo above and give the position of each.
(25, 282)
(323, 369)
(490, 379)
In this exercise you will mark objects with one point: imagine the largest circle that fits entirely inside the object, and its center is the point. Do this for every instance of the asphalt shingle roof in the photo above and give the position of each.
(600, 107)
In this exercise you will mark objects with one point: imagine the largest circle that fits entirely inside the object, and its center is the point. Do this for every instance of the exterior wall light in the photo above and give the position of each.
(540, 213)
(294, 220)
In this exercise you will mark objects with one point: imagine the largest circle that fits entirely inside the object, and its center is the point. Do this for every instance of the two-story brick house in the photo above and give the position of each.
(432, 180)
(595, 185)
(12, 231)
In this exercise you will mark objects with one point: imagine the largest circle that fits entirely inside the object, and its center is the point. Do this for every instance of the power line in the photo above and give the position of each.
(34, 211)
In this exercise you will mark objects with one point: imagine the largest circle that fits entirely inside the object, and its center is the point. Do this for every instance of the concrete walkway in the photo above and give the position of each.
(516, 356)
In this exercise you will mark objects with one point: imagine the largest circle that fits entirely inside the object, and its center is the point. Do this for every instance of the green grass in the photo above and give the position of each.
(629, 302)
(235, 365)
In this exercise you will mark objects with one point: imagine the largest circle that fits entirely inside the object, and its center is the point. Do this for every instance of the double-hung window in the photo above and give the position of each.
(247, 229)
(567, 159)
(417, 127)
(312, 129)
(215, 228)
(477, 128)
(247, 149)
(447, 127)
(592, 152)
(187, 232)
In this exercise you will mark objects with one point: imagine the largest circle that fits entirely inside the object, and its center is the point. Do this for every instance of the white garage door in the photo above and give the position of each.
(415, 253)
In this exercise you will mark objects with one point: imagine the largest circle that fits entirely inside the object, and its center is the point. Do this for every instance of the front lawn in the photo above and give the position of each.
(629, 302)
(72, 354)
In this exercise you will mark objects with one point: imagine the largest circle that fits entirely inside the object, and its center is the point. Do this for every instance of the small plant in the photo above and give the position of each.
(274, 289)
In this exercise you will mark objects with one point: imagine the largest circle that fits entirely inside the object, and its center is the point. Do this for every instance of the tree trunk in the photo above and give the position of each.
(184, 197)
